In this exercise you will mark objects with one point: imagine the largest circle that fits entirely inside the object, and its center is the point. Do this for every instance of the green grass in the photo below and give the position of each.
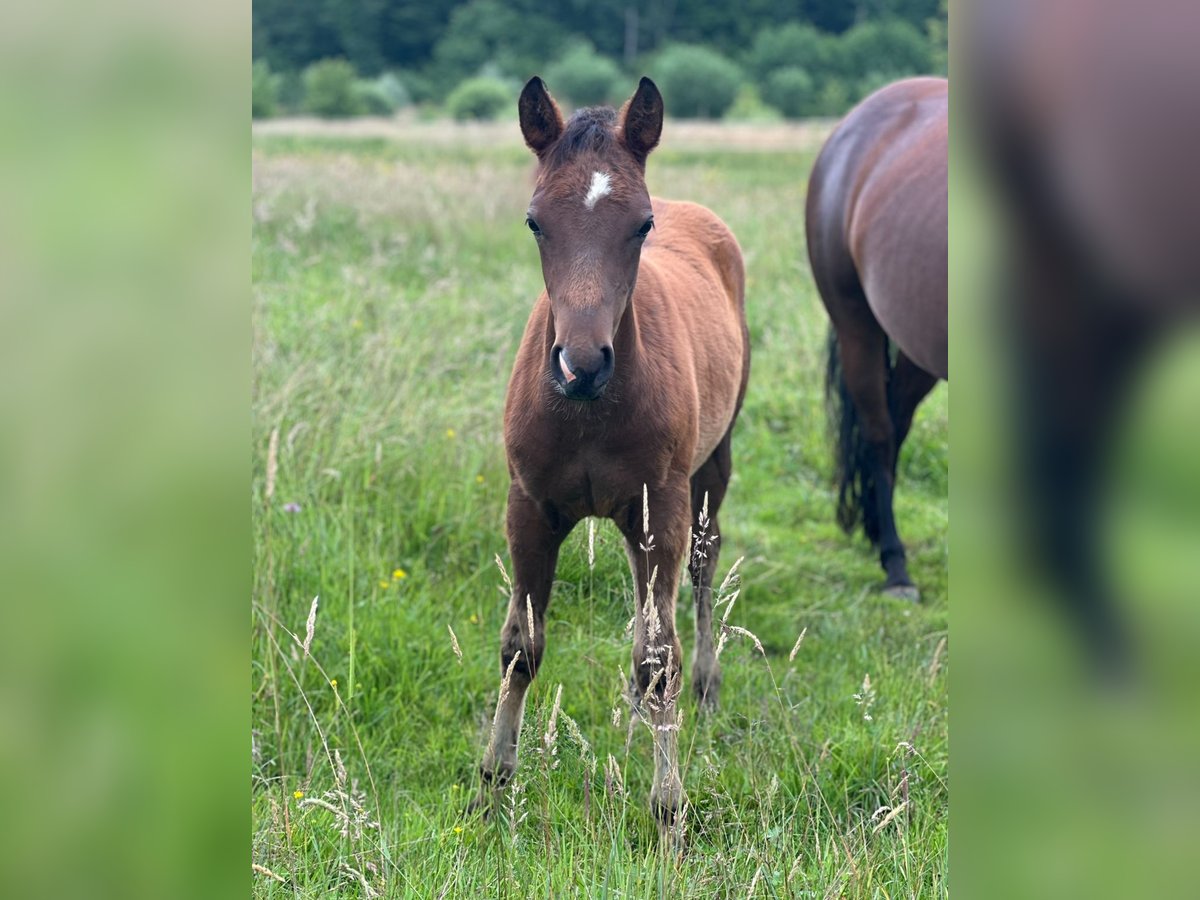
(391, 284)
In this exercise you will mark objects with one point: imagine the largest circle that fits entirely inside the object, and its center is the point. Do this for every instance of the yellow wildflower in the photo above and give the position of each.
(450, 433)
(298, 794)
(479, 479)
(383, 584)
(333, 683)
(458, 829)
(474, 619)
(398, 574)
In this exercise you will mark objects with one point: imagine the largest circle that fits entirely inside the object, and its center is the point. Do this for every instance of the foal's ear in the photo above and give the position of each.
(541, 122)
(642, 120)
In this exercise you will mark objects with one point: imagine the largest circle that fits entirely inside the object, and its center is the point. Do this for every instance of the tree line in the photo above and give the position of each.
(754, 59)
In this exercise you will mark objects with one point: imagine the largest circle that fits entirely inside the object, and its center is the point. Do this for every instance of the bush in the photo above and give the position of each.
(383, 96)
(329, 90)
(792, 91)
(584, 77)
(889, 48)
(480, 98)
(793, 45)
(264, 91)
(834, 99)
(749, 107)
(697, 82)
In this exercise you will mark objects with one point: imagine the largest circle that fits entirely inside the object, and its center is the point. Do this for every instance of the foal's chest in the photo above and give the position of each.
(591, 477)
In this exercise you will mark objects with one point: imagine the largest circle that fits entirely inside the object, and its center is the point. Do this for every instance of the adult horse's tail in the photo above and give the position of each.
(853, 472)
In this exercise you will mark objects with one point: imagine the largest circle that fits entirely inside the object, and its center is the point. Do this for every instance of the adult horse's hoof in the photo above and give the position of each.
(907, 592)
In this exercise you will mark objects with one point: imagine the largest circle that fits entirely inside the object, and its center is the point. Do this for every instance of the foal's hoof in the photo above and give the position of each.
(707, 691)
(491, 787)
(482, 804)
(667, 803)
(907, 592)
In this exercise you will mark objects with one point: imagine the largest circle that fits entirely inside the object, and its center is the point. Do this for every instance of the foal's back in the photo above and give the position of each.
(691, 300)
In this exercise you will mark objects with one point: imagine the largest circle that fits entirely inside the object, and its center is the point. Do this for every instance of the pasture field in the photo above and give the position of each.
(392, 279)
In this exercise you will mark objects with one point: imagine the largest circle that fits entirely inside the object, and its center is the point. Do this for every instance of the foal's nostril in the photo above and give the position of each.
(606, 366)
(561, 365)
(581, 372)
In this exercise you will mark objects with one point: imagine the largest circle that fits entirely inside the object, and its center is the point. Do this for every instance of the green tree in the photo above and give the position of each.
(794, 44)
(792, 91)
(891, 48)
(584, 77)
(696, 82)
(937, 29)
(490, 31)
(264, 90)
(480, 98)
(330, 90)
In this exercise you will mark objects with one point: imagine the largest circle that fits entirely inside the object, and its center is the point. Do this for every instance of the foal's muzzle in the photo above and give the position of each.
(582, 374)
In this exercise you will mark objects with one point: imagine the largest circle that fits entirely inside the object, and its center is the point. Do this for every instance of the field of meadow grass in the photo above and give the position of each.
(392, 279)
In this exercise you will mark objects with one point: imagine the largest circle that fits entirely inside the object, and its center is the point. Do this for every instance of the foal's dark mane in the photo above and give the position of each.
(592, 129)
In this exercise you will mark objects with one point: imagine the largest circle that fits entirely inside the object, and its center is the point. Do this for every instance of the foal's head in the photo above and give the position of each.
(590, 214)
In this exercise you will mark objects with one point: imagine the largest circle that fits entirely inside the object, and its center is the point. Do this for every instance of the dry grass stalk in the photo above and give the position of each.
(585, 749)
(865, 697)
(796, 648)
(507, 679)
(645, 510)
(368, 890)
(735, 629)
(591, 543)
(614, 782)
(935, 664)
(263, 870)
(730, 575)
(529, 620)
(454, 643)
(892, 813)
(504, 574)
(550, 738)
(754, 882)
(310, 626)
(272, 462)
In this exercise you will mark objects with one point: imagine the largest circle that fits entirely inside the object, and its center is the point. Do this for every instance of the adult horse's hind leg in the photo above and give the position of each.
(908, 386)
(867, 444)
(534, 538)
(708, 490)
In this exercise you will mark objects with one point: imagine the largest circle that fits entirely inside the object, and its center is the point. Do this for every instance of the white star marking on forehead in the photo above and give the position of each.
(600, 187)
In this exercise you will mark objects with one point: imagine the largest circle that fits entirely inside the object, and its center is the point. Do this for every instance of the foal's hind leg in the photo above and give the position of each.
(533, 541)
(708, 490)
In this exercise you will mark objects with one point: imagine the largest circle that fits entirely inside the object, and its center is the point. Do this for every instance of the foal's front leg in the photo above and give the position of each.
(656, 556)
(533, 541)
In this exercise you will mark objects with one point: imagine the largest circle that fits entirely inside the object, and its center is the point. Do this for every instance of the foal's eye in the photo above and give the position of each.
(533, 226)
(645, 229)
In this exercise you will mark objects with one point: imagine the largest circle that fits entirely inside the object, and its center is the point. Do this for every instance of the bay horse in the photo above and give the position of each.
(627, 383)
(876, 230)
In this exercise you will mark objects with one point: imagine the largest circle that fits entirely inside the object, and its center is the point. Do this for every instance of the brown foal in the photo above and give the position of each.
(626, 387)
